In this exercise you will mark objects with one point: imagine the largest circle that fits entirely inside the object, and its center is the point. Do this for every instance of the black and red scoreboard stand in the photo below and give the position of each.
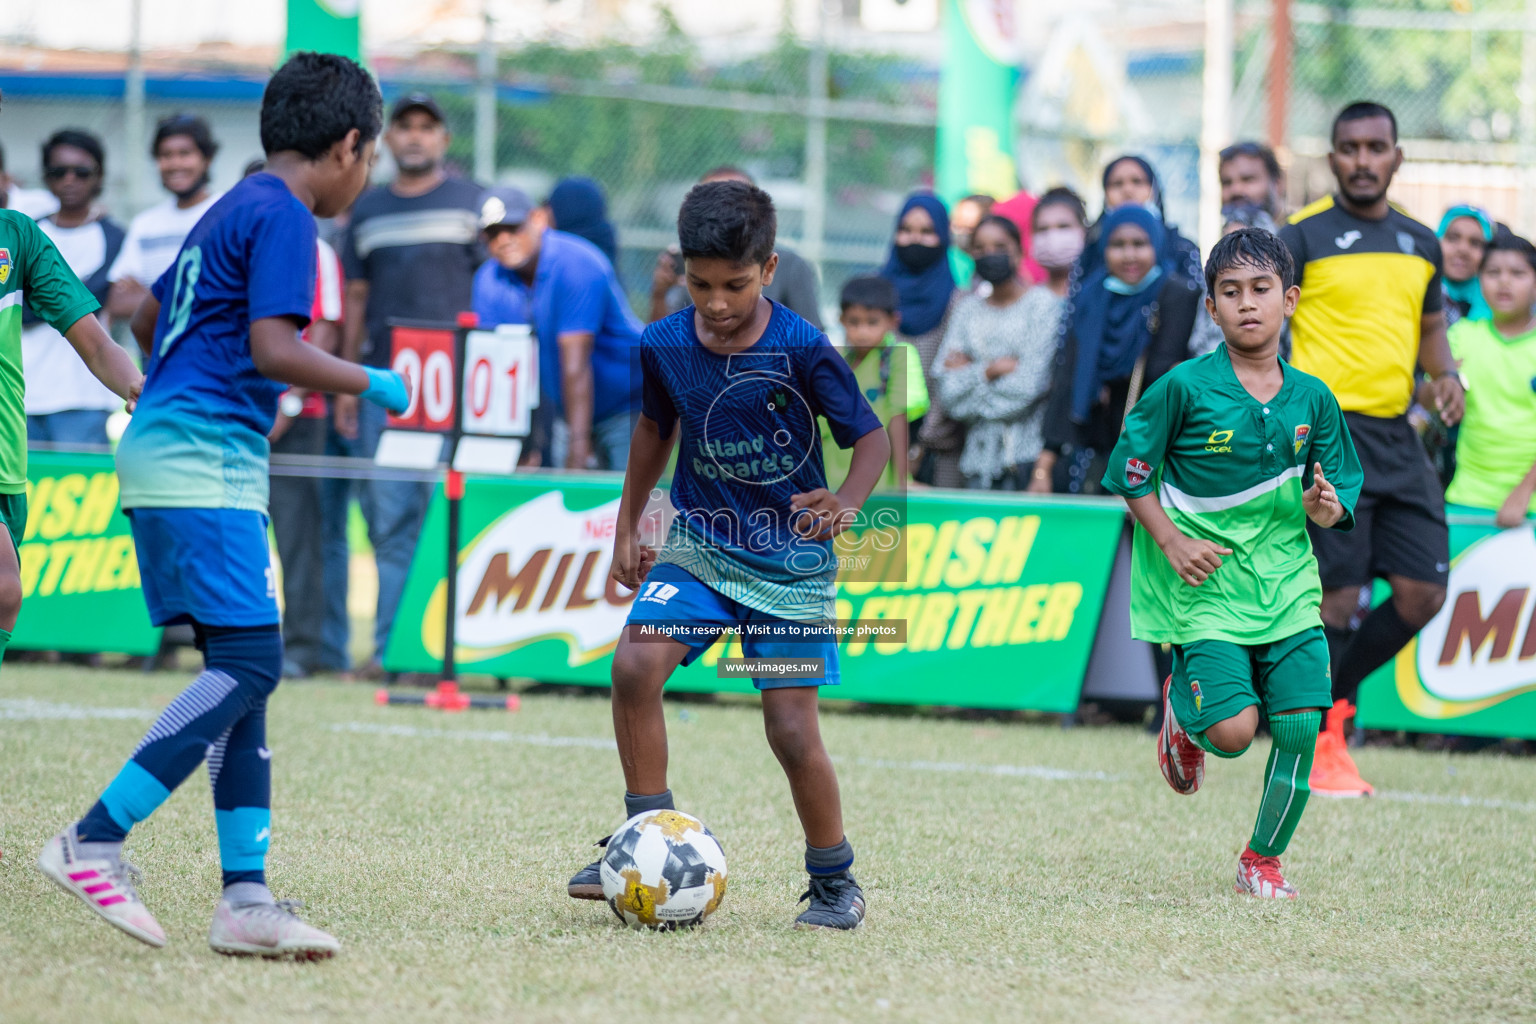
(472, 395)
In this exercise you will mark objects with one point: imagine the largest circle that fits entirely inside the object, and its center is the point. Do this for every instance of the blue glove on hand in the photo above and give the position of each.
(386, 388)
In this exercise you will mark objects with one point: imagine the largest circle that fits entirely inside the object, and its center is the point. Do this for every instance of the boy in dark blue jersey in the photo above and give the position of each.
(738, 381)
(221, 333)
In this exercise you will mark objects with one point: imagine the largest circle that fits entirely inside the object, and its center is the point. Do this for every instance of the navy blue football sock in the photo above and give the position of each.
(636, 803)
(829, 860)
(243, 665)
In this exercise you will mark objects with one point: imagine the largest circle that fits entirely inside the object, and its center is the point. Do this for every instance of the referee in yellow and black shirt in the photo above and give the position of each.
(1369, 320)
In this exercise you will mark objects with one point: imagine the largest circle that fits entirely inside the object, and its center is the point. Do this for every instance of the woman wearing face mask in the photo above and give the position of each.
(919, 268)
(997, 356)
(1465, 232)
(1129, 323)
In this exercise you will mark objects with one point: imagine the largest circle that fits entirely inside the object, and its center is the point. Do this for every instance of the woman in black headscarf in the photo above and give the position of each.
(919, 268)
(579, 207)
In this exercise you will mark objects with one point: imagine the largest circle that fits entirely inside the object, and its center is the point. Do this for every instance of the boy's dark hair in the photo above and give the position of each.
(982, 200)
(190, 125)
(870, 291)
(1362, 110)
(1506, 240)
(80, 140)
(1003, 224)
(1062, 196)
(1258, 150)
(312, 102)
(727, 220)
(1250, 247)
(727, 171)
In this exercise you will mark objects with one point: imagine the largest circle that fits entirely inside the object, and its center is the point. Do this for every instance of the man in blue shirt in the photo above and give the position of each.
(588, 336)
(220, 333)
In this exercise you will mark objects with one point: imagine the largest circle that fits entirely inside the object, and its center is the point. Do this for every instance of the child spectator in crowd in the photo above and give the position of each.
(1496, 450)
(1464, 232)
(996, 363)
(962, 225)
(888, 371)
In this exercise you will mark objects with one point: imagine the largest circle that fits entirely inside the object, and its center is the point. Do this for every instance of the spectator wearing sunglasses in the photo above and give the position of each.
(1250, 174)
(65, 403)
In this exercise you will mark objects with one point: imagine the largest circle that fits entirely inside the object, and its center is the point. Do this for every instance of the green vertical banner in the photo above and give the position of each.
(325, 26)
(977, 84)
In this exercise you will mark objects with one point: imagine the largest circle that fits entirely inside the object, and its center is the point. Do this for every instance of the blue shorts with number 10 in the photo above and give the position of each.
(670, 594)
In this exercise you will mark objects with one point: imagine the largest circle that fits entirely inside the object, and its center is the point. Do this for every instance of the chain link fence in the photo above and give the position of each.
(1460, 78)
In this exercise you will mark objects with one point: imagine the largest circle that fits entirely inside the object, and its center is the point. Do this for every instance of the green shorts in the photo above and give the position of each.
(13, 516)
(1215, 679)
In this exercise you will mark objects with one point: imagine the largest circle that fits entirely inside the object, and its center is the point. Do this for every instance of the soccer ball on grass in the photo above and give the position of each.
(663, 870)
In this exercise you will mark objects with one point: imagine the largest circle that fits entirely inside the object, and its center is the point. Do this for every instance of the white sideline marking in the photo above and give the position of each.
(1454, 801)
(1025, 771)
(28, 710)
(488, 736)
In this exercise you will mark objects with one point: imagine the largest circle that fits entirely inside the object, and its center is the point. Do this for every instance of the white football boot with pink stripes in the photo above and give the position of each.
(106, 886)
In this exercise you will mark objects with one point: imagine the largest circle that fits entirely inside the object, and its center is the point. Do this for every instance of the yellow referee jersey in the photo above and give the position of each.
(1365, 285)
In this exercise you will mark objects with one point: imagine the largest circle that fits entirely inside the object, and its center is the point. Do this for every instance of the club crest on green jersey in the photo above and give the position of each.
(1137, 472)
(5, 265)
(1301, 436)
(1194, 688)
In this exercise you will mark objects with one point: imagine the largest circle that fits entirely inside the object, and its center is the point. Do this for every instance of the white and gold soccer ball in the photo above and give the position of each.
(663, 870)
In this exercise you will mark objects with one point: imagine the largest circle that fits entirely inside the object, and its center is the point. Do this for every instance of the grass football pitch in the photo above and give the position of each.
(1014, 872)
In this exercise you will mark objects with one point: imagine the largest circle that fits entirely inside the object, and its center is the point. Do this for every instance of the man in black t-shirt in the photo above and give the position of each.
(411, 252)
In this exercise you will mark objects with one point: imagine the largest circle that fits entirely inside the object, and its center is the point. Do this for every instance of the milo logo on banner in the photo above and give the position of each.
(1480, 650)
(538, 572)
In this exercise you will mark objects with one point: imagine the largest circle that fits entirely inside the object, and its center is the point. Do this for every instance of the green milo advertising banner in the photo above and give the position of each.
(80, 586)
(1000, 598)
(1472, 670)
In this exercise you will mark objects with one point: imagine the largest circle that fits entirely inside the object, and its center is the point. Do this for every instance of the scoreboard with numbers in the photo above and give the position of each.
(477, 387)
(424, 357)
(501, 382)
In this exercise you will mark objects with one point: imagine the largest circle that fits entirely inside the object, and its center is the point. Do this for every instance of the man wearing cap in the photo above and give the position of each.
(410, 253)
(565, 287)
(183, 150)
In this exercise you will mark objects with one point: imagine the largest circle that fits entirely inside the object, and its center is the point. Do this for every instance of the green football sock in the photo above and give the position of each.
(1211, 748)
(1285, 781)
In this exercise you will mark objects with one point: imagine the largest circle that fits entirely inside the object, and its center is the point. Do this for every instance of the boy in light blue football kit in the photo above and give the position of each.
(221, 335)
(738, 381)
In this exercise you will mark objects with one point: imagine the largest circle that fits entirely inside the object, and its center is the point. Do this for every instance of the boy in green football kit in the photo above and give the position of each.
(1222, 463)
(33, 271)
